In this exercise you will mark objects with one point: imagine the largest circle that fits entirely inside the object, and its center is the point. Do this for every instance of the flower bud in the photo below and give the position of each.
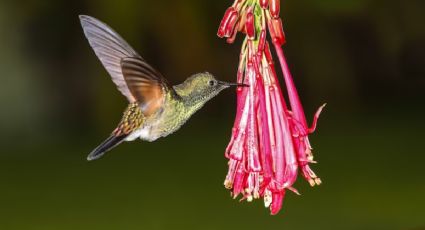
(262, 42)
(228, 23)
(274, 8)
(232, 37)
(277, 199)
(268, 54)
(264, 4)
(250, 24)
(241, 23)
(276, 31)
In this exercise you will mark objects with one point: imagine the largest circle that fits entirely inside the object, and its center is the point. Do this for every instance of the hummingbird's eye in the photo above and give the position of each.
(212, 82)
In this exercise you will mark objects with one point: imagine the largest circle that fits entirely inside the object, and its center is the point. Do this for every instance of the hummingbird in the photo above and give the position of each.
(156, 108)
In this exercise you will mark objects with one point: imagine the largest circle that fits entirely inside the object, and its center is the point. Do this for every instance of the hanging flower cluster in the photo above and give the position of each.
(269, 142)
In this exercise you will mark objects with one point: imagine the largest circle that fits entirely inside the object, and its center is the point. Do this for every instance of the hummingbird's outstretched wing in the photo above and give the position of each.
(134, 77)
(110, 48)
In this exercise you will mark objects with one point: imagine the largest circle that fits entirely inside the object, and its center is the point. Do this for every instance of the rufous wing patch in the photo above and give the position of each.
(145, 83)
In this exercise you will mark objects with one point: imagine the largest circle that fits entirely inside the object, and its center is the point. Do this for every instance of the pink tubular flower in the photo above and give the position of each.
(269, 142)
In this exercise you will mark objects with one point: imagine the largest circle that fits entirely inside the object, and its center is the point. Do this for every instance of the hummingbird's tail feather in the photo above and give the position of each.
(107, 145)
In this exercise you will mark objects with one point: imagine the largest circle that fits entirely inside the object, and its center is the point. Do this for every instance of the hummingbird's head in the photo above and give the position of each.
(202, 87)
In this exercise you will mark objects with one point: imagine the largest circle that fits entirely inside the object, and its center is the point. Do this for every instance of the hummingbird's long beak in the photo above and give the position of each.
(233, 84)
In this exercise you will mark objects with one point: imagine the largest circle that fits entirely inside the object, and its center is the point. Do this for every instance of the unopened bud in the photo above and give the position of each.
(274, 8)
(262, 42)
(264, 4)
(250, 24)
(228, 23)
(232, 38)
(276, 31)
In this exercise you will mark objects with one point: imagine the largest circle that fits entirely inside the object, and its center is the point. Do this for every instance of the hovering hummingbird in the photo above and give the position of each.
(156, 109)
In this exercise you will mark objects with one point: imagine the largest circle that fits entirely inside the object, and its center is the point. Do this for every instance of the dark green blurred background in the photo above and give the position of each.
(365, 58)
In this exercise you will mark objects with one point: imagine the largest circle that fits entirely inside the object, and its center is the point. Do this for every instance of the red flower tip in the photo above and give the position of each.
(264, 4)
(262, 42)
(315, 118)
(276, 31)
(228, 23)
(277, 200)
(249, 25)
(232, 38)
(275, 8)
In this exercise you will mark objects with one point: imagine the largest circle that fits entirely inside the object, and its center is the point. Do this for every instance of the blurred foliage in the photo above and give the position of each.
(366, 58)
